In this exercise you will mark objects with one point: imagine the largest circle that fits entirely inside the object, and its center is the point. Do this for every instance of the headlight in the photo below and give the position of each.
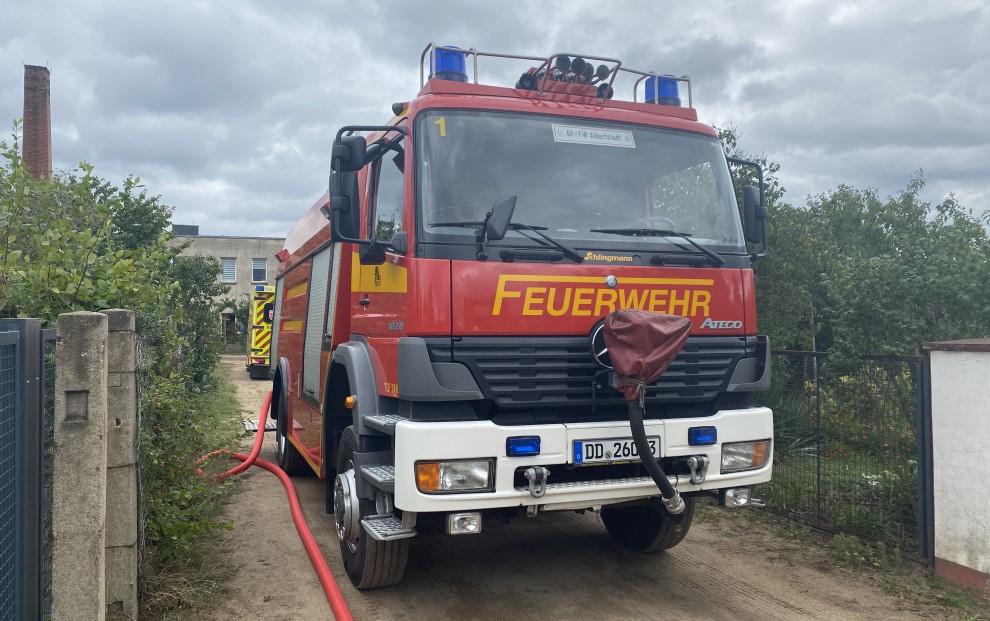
(440, 477)
(739, 456)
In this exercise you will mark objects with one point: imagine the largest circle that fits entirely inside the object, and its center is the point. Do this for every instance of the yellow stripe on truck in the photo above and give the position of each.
(297, 291)
(384, 278)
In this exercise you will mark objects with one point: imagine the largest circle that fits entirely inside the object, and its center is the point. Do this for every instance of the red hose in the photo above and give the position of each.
(259, 437)
(336, 600)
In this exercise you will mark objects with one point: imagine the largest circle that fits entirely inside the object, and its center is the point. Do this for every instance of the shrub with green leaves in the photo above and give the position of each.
(78, 242)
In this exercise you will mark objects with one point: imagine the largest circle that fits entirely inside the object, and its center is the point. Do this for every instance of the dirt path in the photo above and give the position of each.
(557, 567)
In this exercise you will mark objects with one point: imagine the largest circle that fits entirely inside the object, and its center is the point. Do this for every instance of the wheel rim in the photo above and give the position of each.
(346, 508)
(280, 443)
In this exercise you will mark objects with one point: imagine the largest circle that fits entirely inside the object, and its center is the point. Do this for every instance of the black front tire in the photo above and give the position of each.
(369, 563)
(645, 528)
(287, 455)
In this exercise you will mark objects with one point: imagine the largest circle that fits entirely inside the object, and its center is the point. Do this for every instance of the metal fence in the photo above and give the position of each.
(852, 446)
(8, 474)
(47, 464)
(27, 410)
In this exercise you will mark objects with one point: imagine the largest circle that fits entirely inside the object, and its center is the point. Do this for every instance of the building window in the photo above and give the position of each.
(259, 270)
(229, 269)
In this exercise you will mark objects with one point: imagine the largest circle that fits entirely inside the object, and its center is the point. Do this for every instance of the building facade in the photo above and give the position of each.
(246, 261)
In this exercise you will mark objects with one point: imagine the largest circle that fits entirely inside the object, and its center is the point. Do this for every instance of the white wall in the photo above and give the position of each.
(960, 382)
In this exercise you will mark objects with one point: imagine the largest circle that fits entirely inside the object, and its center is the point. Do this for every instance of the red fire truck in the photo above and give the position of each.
(437, 344)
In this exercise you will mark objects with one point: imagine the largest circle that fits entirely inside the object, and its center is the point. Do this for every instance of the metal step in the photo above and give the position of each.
(270, 425)
(383, 477)
(252, 425)
(384, 423)
(386, 528)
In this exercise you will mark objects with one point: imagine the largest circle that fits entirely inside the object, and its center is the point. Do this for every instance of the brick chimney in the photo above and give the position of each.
(37, 145)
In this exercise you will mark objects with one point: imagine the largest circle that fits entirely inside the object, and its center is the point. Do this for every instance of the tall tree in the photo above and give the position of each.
(903, 271)
(853, 273)
(788, 281)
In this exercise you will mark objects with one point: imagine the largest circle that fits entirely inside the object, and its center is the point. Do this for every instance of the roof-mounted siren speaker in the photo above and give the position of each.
(448, 64)
(578, 64)
(561, 66)
(663, 90)
(526, 82)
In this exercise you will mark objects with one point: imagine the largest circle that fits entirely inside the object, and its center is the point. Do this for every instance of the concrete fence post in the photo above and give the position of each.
(79, 470)
(122, 487)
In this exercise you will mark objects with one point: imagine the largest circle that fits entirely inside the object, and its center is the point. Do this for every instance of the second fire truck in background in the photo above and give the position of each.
(260, 331)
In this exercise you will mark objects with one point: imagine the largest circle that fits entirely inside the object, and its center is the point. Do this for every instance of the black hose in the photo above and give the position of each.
(643, 448)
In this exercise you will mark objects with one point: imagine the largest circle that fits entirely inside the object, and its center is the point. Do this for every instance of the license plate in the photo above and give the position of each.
(611, 450)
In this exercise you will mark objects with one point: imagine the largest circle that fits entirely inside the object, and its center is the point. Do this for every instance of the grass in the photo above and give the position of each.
(171, 588)
(897, 575)
(185, 588)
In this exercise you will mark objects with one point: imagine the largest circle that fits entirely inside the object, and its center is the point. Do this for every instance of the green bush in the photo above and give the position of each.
(180, 505)
(78, 242)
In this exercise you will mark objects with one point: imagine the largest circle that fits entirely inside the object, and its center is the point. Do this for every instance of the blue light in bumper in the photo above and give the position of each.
(702, 435)
(522, 446)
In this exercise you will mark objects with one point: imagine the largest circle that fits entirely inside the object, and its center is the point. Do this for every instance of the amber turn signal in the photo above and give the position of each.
(428, 476)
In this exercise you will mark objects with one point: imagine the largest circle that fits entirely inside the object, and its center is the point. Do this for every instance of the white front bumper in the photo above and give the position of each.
(416, 441)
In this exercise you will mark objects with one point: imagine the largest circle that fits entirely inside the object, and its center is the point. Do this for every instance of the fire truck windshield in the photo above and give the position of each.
(573, 176)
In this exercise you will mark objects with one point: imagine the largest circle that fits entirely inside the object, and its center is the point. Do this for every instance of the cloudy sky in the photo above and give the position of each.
(226, 108)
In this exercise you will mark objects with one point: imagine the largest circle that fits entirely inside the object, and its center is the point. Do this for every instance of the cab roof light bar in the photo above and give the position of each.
(449, 62)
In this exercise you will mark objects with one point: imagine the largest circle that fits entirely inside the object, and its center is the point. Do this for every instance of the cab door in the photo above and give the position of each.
(379, 298)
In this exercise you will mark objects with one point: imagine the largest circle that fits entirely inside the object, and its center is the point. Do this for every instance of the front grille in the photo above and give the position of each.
(523, 372)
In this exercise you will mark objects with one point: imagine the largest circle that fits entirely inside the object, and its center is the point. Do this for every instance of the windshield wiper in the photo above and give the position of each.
(713, 256)
(567, 250)
(517, 226)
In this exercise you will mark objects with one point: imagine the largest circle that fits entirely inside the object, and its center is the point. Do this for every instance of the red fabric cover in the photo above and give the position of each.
(641, 345)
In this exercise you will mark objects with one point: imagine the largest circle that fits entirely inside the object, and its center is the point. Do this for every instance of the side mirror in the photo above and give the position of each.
(345, 207)
(372, 254)
(349, 153)
(754, 215)
(498, 223)
(400, 242)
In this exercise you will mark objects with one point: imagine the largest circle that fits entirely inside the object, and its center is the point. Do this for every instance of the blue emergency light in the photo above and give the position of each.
(700, 436)
(449, 65)
(522, 446)
(259, 288)
(663, 90)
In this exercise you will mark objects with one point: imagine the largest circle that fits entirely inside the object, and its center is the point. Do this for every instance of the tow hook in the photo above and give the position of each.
(537, 477)
(698, 465)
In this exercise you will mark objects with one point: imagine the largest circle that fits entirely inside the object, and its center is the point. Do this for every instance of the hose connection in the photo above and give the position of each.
(674, 504)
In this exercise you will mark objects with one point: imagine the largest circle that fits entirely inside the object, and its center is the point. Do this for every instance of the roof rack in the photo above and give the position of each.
(544, 70)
